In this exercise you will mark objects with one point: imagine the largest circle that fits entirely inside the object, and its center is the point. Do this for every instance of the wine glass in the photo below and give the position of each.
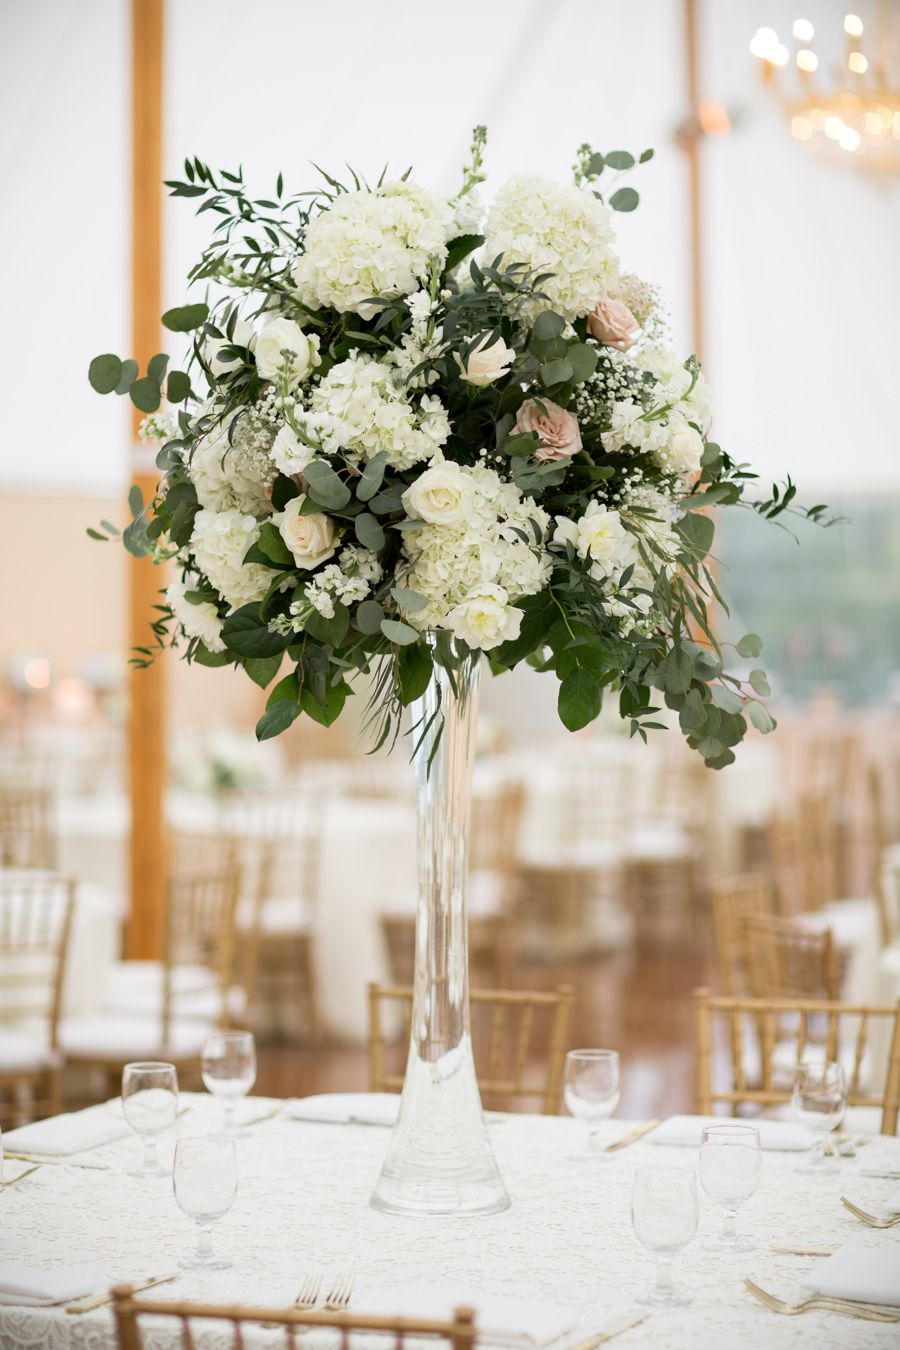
(729, 1172)
(229, 1070)
(819, 1100)
(150, 1105)
(592, 1091)
(664, 1214)
(205, 1180)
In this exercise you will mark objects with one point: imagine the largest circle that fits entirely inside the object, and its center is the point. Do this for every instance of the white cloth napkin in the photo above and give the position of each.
(36, 1288)
(499, 1321)
(868, 1274)
(687, 1132)
(76, 1132)
(347, 1108)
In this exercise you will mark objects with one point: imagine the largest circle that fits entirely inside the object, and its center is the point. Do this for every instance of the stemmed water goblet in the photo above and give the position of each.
(150, 1105)
(819, 1100)
(205, 1180)
(664, 1214)
(592, 1091)
(729, 1173)
(228, 1065)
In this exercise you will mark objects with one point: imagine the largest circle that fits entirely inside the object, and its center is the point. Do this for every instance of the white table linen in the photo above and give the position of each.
(566, 1240)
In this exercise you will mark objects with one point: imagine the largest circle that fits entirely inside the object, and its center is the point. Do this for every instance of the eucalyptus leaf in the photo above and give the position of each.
(410, 600)
(146, 394)
(749, 646)
(624, 199)
(399, 633)
(368, 617)
(369, 531)
(759, 683)
(104, 373)
(372, 477)
(325, 486)
(185, 318)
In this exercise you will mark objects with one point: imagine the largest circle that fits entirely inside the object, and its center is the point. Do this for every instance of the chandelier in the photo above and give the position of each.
(848, 109)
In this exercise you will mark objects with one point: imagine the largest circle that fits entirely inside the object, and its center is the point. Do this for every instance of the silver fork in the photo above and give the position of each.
(338, 1296)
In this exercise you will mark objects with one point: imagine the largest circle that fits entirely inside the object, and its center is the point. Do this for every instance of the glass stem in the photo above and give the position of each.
(204, 1242)
(664, 1275)
(150, 1162)
(729, 1224)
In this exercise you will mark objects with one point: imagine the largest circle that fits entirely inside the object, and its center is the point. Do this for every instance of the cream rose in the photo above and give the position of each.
(600, 536)
(488, 363)
(311, 539)
(442, 495)
(613, 324)
(283, 335)
(684, 451)
(558, 430)
(485, 618)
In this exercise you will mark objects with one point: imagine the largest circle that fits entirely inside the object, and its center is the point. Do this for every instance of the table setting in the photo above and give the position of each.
(283, 1186)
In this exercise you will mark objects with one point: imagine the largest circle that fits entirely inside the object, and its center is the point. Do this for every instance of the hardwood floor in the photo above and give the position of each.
(637, 1002)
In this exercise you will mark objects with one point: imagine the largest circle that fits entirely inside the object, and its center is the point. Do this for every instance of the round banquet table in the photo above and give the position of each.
(302, 1206)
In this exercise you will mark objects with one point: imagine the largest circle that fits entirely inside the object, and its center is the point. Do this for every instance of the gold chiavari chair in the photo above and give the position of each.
(889, 893)
(130, 1312)
(26, 829)
(35, 923)
(733, 902)
(279, 841)
(848, 1030)
(503, 1028)
(785, 960)
(885, 854)
(165, 1010)
(789, 862)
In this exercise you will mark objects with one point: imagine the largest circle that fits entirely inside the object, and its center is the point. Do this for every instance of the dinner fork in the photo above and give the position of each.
(309, 1292)
(872, 1220)
(338, 1295)
(21, 1177)
(867, 1312)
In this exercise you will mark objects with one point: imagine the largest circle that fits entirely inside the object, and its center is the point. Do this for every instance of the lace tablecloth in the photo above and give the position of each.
(303, 1206)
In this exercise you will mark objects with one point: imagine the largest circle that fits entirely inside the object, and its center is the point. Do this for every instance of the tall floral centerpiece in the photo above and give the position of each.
(411, 431)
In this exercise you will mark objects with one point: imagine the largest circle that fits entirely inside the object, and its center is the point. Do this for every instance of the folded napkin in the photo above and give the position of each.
(346, 1108)
(36, 1288)
(687, 1132)
(868, 1274)
(76, 1132)
(499, 1321)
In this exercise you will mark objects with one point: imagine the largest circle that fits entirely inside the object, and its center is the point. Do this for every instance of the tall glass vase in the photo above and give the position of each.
(440, 1160)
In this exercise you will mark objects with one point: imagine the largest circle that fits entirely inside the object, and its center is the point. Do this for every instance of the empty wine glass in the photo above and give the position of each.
(729, 1173)
(592, 1091)
(819, 1100)
(229, 1070)
(150, 1105)
(664, 1214)
(205, 1180)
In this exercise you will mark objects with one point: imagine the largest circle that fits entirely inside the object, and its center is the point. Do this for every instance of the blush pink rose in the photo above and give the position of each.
(613, 324)
(558, 429)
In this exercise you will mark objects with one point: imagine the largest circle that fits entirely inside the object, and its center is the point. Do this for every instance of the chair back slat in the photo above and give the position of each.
(786, 960)
(35, 924)
(27, 835)
(733, 902)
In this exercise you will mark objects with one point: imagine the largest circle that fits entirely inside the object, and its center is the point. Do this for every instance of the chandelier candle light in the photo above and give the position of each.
(411, 431)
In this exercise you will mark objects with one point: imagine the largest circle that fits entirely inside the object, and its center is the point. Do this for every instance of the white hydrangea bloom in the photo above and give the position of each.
(630, 430)
(198, 621)
(469, 556)
(377, 413)
(239, 475)
(219, 541)
(673, 381)
(370, 244)
(552, 228)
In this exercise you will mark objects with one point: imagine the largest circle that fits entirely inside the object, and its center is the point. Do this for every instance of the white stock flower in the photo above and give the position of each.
(222, 365)
(487, 363)
(219, 541)
(284, 335)
(198, 620)
(289, 454)
(238, 475)
(441, 495)
(599, 535)
(377, 413)
(552, 228)
(485, 618)
(311, 539)
(368, 244)
(468, 214)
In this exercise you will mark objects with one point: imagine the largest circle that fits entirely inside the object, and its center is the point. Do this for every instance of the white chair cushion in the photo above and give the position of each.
(287, 916)
(658, 841)
(118, 1038)
(25, 1051)
(486, 891)
(586, 855)
(136, 988)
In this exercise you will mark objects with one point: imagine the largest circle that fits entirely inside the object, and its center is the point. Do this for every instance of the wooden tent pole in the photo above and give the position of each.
(691, 144)
(147, 687)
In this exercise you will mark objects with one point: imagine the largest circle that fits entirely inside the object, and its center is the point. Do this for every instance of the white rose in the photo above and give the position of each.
(441, 496)
(198, 621)
(278, 336)
(488, 363)
(242, 337)
(485, 619)
(600, 536)
(311, 539)
(684, 451)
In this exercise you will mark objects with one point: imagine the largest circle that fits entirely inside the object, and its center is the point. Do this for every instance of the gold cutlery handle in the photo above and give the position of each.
(633, 1137)
(83, 1305)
